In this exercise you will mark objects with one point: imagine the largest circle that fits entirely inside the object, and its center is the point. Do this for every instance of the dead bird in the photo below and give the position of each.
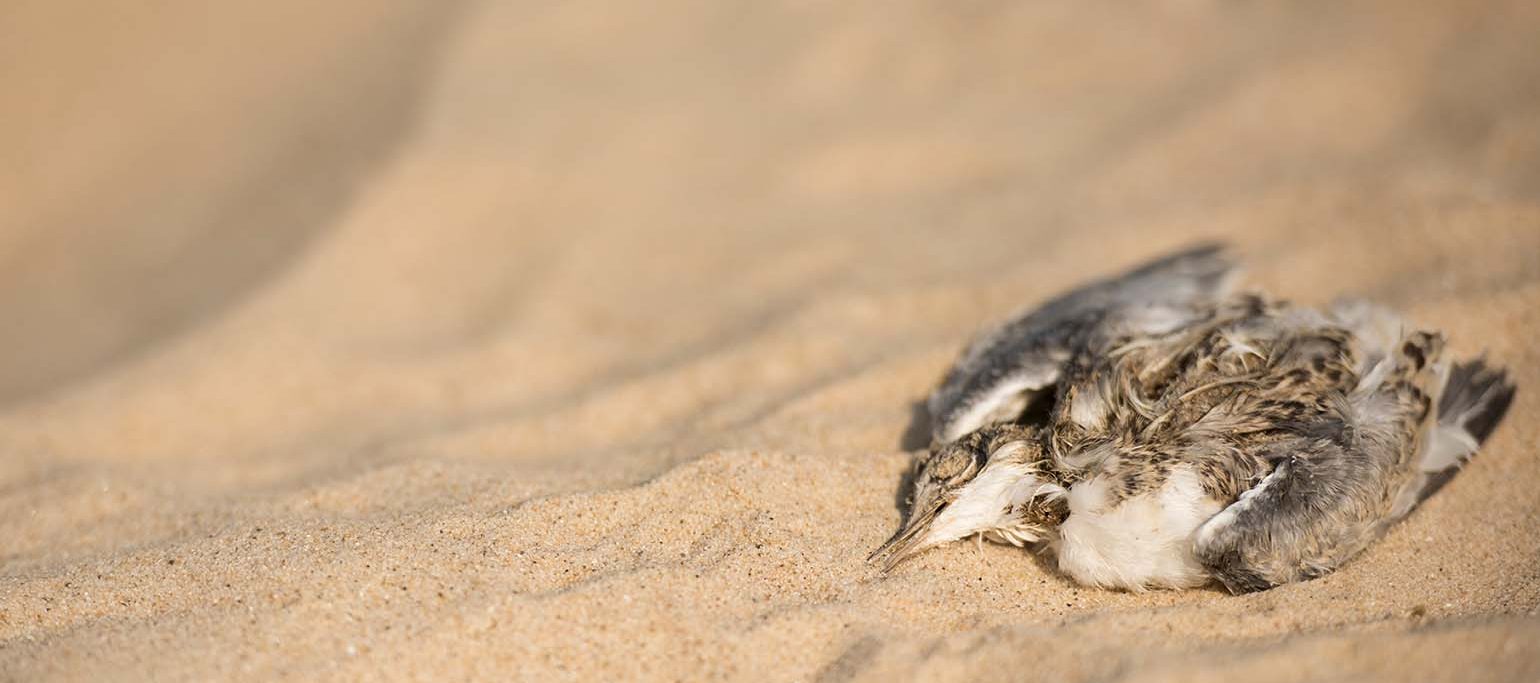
(1159, 430)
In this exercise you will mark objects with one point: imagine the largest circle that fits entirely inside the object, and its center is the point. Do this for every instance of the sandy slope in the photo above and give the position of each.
(584, 339)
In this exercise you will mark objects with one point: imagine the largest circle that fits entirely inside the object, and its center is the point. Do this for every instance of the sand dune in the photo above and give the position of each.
(506, 341)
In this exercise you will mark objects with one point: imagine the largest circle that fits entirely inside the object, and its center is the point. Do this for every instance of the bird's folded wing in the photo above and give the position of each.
(1324, 502)
(1002, 369)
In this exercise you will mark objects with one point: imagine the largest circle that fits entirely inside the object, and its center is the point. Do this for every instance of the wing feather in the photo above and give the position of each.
(1000, 371)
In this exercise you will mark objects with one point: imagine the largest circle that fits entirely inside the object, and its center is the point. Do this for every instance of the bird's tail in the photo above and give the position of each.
(1474, 399)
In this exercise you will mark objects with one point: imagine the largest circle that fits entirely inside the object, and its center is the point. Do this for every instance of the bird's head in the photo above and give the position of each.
(984, 482)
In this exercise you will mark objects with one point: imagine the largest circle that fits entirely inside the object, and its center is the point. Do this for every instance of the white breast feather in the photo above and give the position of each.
(1143, 542)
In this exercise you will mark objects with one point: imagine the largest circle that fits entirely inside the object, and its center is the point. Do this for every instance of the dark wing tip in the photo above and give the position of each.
(1476, 397)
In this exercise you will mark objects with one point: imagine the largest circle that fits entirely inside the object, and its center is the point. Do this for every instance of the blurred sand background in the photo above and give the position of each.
(413, 340)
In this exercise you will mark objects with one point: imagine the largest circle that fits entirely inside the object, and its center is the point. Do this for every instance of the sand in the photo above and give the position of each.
(364, 340)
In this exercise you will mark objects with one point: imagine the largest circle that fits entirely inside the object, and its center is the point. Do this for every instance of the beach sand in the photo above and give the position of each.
(429, 340)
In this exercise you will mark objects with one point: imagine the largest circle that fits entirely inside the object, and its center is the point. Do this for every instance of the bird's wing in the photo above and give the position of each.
(1001, 370)
(1321, 504)
(1350, 473)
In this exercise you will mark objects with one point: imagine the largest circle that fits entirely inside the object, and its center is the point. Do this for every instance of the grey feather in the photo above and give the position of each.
(1475, 397)
(997, 374)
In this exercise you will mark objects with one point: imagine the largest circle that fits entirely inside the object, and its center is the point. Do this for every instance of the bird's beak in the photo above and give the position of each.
(909, 540)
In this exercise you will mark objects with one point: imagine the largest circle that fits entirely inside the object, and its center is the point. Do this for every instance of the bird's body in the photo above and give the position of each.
(1157, 430)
